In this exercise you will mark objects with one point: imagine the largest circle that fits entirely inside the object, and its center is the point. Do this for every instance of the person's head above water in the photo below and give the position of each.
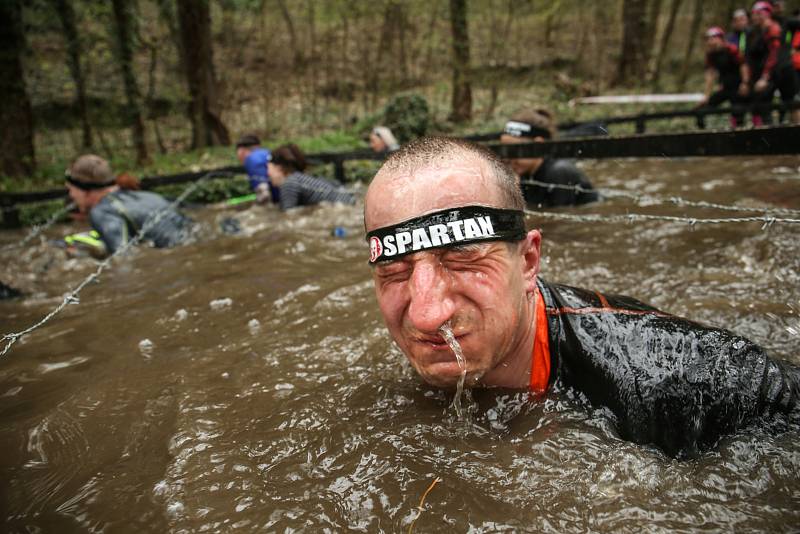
(245, 145)
(526, 126)
(89, 179)
(448, 245)
(381, 139)
(285, 160)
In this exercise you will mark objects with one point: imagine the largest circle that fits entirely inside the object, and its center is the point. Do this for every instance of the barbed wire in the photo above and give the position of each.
(655, 199)
(72, 296)
(37, 229)
(766, 221)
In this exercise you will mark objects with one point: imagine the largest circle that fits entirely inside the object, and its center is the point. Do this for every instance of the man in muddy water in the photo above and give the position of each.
(449, 250)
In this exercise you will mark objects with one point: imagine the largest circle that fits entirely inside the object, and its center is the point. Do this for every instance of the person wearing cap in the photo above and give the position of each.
(537, 174)
(768, 65)
(723, 73)
(449, 249)
(740, 30)
(254, 158)
(287, 166)
(382, 140)
(117, 211)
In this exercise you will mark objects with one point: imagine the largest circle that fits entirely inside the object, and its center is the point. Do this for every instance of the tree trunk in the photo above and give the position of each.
(632, 62)
(462, 92)
(16, 119)
(67, 16)
(297, 56)
(123, 34)
(195, 26)
(694, 31)
(652, 27)
(664, 47)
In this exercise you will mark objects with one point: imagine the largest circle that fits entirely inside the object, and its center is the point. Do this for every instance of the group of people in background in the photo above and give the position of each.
(117, 210)
(757, 58)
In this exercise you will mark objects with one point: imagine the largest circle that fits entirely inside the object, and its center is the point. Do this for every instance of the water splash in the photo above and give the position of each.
(448, 335)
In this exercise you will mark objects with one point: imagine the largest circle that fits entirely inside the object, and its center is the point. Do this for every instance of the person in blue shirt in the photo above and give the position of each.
(740, 30)
(254, 158)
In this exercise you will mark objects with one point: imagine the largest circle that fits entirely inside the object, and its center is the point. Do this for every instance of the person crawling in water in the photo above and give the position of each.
(448, 245)
(116, 209)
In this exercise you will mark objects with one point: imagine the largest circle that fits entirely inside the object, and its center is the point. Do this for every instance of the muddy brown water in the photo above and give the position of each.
(287, 407)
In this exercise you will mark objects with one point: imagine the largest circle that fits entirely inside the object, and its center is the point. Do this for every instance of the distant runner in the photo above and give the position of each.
(723, 74)
(768, 64)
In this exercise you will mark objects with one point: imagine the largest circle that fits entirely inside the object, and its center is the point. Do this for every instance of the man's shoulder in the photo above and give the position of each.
(570, 298)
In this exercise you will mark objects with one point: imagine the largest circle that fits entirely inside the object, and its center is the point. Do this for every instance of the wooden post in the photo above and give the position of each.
(338, 170)
(10, 212)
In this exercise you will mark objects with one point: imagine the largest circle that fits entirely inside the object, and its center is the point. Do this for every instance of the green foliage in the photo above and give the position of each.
(408, 116)
(210, 191)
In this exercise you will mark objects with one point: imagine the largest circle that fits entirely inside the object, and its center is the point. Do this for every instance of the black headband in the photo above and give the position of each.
(88, 186)
(446, 228)
(524, 129)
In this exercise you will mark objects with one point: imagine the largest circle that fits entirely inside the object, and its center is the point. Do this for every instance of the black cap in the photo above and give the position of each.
(248, 140)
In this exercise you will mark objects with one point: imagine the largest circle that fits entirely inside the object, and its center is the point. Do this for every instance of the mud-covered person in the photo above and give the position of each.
(117, 211)
(538, 175)
(448, 246)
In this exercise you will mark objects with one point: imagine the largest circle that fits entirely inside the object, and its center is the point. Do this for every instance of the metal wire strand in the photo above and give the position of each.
(72, 296)
(37, 229)
(655, 199)
(765, 220)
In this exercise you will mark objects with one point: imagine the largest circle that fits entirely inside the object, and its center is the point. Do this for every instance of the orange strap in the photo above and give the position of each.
(540, 360)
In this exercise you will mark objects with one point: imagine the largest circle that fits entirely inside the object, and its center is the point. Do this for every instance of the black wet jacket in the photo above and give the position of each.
(669, 381)
(559, 172)
(121, 214)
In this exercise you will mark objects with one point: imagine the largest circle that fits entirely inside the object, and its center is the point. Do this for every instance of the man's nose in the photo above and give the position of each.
(431, 299)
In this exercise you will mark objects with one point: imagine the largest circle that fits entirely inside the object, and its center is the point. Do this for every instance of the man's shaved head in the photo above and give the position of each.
(420, 168)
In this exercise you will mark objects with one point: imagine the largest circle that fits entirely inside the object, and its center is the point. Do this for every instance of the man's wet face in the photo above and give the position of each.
(479, 289)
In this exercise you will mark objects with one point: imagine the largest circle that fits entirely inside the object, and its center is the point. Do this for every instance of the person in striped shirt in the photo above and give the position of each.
(297, 188)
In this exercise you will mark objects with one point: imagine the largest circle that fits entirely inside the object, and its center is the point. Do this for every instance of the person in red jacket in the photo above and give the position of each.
(767, 65)
(724, 66)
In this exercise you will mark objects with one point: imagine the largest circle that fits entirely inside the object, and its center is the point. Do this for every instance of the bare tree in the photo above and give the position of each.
(633, 59)
(195, 27)
(16, 119)
(66, 14)
(123, 35)
(664, 46)
(462, 91)
(694, 30)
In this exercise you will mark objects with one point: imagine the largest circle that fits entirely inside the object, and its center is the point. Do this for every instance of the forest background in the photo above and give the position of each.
(161, 86)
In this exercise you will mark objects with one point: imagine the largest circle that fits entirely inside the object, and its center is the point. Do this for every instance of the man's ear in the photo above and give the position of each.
(531, 251)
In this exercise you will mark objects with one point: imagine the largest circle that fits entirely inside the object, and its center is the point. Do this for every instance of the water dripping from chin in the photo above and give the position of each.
(447, 334)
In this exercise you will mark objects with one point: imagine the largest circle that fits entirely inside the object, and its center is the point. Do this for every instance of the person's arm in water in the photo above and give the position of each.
(111, 226)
